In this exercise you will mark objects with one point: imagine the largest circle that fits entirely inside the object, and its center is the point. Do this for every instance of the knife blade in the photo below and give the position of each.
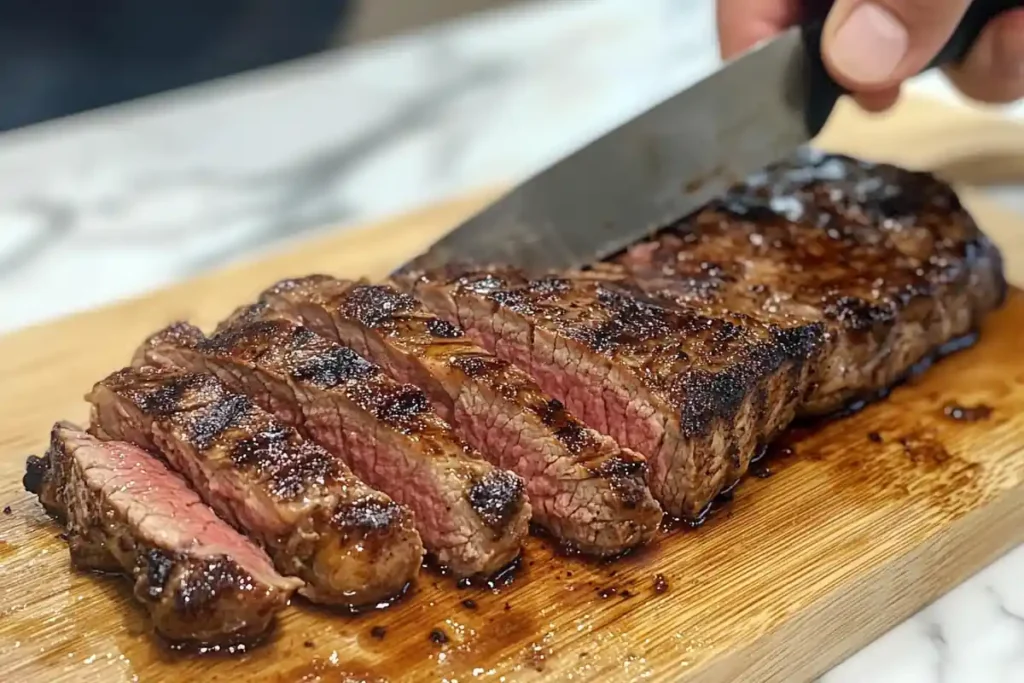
(671, 160)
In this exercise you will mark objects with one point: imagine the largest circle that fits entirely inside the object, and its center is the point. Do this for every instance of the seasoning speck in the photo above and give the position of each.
(469, 604)
(309, 643)
(438, 637)
(660, 584)
(63, 536)
(7, 509)
(508, 606)
(606, 593)
(378, 632)
(463, 584)
(874, 437)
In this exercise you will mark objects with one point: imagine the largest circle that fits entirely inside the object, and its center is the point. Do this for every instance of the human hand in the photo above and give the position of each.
(872, 46)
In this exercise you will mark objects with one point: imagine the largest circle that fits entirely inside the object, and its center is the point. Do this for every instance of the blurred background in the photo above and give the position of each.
(145, 141)
(61, 57)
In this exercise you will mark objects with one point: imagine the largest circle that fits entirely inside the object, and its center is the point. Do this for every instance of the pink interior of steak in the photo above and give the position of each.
(385, 431)
(261, 476)
(598, 392)
(497, 408)
(161, 506)
(697, 395)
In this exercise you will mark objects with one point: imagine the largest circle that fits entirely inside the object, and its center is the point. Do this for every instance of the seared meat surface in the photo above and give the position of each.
(342, 425)
(698, 395)
(352, 545)
(471, 516)
(585, 489)
(125, 512)
(886, 259)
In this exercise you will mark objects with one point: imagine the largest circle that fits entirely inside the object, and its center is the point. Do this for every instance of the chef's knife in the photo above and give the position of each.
(667, 162)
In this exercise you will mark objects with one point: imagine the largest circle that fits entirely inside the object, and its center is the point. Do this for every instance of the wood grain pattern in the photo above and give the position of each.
(846, 537)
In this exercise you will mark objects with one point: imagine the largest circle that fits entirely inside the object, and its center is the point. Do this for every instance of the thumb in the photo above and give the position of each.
(872, 45)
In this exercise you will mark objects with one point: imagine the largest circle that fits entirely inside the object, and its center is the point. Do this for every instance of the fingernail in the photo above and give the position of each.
(870, 45)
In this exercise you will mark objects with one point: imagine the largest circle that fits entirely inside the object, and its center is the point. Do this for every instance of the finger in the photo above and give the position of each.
(872, 45)
(994, 70)
(878, 100)
(743, 24)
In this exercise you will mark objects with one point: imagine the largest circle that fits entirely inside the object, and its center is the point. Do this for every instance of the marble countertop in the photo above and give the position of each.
(115, 202)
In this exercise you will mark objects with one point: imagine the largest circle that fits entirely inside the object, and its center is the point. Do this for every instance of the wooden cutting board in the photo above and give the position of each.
(865, 522)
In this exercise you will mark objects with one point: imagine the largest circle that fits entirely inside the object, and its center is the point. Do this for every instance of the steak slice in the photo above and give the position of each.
(471, 516)
(352, 545)
(125, 511)
(887, 259)
(699, 396)
(585, 489)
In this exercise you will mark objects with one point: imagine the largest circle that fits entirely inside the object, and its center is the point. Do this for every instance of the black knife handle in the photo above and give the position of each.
(825, 92)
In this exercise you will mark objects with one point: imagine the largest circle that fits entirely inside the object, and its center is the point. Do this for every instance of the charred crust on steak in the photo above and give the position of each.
(207, 425)
(567, 429)
(209, 416)
(376, 305)
(338, 366)
(443, 329)
(37, 471)
(291, 463)
(403, 408)
(497, 498)
(157, 569)
(477, 365)
(368, 515)
(246, 314)
(291, 284)
(167, 399)
(208, 581)
(627, 476)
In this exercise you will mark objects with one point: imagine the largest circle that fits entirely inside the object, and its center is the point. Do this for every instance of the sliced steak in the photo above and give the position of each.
(352, 545)
(125, 511)
(699, 396)
(886, 258)
(471, 516)
(585, 489)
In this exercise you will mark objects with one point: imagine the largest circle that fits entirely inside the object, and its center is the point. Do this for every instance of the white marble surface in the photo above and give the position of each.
(112, 203)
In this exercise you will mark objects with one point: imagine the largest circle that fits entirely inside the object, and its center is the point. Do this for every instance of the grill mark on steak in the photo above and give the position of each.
(697, 394)
(496, 407)
(298, 501)
(125, 511)
(471, 516)
(887, 260)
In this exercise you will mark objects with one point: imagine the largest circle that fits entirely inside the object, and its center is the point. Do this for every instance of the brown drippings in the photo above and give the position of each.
(960, 413)
(378, 632)
(924, 450)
